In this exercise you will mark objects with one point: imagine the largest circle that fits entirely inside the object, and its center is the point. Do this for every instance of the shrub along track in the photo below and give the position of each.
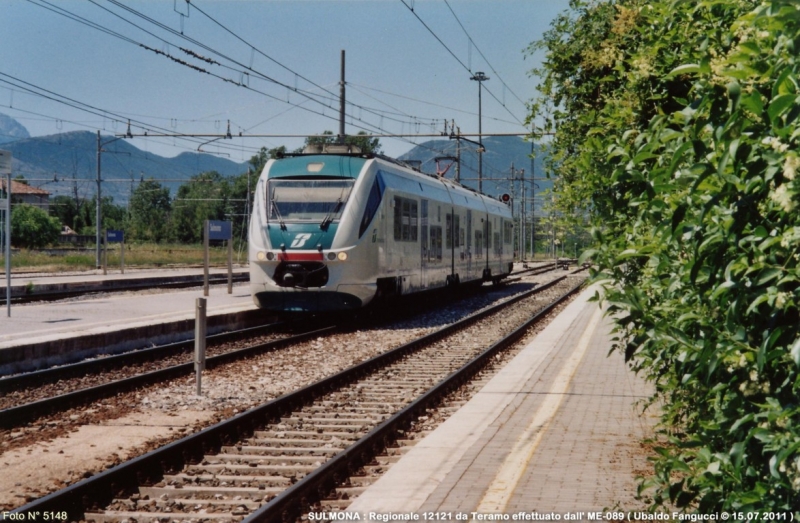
(228, 470)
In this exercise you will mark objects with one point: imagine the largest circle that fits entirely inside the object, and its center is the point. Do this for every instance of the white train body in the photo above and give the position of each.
(332, 232)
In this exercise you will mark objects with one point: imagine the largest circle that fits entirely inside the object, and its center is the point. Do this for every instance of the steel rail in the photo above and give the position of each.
(99, 490)
(83, 368)
(290, 504)
(53, 374)
(15, 416)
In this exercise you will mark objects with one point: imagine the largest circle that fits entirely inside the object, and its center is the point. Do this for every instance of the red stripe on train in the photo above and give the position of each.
(299, 256)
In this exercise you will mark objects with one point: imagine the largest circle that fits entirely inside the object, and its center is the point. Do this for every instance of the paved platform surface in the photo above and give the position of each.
(39, 322)
(131, 274)
(556, 431)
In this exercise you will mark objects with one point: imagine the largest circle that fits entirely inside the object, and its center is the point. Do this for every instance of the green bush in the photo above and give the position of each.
(33, 228)
(678, 123)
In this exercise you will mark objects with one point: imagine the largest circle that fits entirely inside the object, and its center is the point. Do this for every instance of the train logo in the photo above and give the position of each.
(300, 240)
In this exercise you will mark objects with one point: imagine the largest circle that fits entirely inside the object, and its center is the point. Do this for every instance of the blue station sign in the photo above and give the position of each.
(219, 230)
(115, 236)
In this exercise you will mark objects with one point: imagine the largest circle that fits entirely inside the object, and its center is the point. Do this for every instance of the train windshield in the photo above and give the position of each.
(308, 200)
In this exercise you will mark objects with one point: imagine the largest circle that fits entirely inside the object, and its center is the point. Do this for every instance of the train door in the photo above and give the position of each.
(468, 238)
(424, 245)
(497, 242)
(487, 241)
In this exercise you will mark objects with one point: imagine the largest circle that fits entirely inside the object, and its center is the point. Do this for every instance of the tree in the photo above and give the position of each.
(367, 145)
(32, 228)
(150, 208)
(204, 197)
(66, 210)
(676, 126)
(258, 161)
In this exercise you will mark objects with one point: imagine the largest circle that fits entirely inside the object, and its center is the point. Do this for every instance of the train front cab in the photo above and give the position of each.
(303, 252)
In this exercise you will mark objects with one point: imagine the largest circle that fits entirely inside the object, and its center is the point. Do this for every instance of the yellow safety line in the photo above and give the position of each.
(505, 482)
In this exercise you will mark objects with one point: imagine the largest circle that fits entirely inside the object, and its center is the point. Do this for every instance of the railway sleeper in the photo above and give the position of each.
(252, 460)
(331, 420)
(319, 436)
(193, 494)
(158, 517)
(289, 471)
(378, 405)
(330, 427)
(304, 443)
(263, 450)
(169, 504)
(219, 480)
(353, 413)
(381, 388)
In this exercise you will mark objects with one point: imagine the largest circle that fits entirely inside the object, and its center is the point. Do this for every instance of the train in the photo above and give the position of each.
(333, 229)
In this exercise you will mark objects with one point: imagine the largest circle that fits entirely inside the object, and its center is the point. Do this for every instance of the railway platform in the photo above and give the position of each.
(556, 432)
(41, 334)
(93, 281)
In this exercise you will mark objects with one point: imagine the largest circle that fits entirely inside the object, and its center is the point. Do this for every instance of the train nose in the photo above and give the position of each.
(301, 274)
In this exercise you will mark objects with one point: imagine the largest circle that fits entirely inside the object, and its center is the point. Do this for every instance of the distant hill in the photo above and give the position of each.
(73, 155)
(501, 152)
(11, 130)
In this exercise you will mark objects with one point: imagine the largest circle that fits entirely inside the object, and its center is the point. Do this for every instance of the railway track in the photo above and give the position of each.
(17, 415)
(273, 460)
(81, 383)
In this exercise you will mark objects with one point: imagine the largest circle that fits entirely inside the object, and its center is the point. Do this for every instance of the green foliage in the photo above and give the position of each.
(204, 197)
(367, 145)
(258, 161)
(150, 208)
(80, 215)
(677, 128)
(32, 228)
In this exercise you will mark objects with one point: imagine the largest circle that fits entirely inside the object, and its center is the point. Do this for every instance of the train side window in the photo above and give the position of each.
(398, 218)
(508, 231)
(435, 252)
(478, 244)
(448, 231)
(406, 221)
(373, 202)
(458, 230)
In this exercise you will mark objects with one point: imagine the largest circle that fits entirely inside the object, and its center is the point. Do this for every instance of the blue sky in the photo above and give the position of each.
(400, 77)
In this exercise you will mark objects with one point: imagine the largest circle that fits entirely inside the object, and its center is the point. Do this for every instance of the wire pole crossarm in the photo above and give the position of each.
(480, 78)
(98, 209)
(380, 135)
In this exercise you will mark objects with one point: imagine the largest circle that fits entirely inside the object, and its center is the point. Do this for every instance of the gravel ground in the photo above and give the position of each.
(226, 390)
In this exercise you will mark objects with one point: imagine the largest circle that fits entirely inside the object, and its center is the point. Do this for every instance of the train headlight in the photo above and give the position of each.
(342, 256)
(331, 256)
(261, 255)
(270, 256)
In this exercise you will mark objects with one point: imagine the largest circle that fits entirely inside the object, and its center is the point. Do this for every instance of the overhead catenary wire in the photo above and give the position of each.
(467, 68)
(363, 125)
(497, 75)
(238, 63)
(84, 21)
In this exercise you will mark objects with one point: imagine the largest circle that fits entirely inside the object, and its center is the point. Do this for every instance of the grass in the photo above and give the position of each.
(136, 256)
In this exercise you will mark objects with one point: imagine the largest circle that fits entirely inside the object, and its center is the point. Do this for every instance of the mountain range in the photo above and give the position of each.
(501, 152)
(65, 162)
